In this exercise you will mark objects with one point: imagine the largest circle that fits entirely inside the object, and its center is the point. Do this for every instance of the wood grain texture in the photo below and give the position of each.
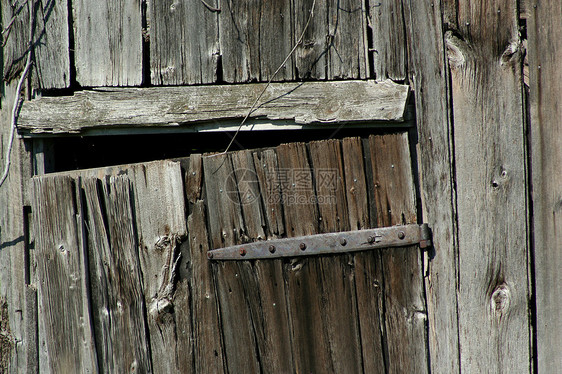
(51, 45)
(208, 343)
(16, 38)
(404, 300)
(304, 103)
(184, 44)
(108, 43)
(115, 277)
(160, 222)
(61, 272)
(255, 38)
(226, 228)
(545, 57)
(13, 268)
(428, 74)
(486, 83)
(386, 21)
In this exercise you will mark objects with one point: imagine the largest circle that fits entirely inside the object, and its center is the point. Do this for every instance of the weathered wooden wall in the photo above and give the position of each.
(492, 209)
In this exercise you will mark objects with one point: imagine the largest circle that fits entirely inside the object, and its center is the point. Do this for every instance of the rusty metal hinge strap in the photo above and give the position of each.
(330, 243)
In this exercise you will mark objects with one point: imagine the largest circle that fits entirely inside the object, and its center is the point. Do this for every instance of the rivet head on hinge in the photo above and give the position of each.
(242, 252)
(343, 241)
(272, 249)
(401, 235)
(302, 246)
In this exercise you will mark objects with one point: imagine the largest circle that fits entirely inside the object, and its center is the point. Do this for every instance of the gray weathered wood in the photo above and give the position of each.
(386, 21)
(304, 103)
(545, 57)
(115, 283)
(226, 227)
(184, 46)
(337, 273)
(194, 178)
(61, 273)
(404, 301)
(428, 74)
(160, 222)
(208, 341)
(486, 83)
(16, 38)
(107, 42)
(310, 55)
(368, 271)
(255, 38)
(51, 45)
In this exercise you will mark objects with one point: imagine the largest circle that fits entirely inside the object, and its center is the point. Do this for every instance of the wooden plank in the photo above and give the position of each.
(486, 82)
(347, 40)
(368, 270)
(209, 353)
(337, 272)
(61, 272)
(304, 103)
(194, 178)
(270, 189)
(386, 20)
(264, 285)
(12, 241)
(16, 37)
(311, 341)
(404, 300)
(52, 55)
(430, 83)
(255, 38)
(107, 43)
(226, 227)
(160, 222)
(184, 47)
(310, 55)
(545, 57)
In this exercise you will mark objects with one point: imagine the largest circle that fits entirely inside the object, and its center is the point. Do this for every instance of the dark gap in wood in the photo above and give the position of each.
(74, 85)
(405, 46)
(533, 318)
(219, 71)
(26, 243)
(145, 46)
(413, 141)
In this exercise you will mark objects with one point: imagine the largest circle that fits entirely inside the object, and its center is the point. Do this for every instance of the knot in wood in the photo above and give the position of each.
(500, 300)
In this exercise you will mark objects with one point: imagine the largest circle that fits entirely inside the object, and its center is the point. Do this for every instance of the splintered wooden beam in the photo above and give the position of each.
(208, 107)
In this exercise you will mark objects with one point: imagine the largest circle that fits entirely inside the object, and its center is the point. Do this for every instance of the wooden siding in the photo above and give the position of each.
(300, 103)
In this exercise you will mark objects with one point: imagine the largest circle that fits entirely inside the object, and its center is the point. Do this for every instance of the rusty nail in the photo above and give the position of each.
(302, 246)
(343, 241)
(272, 248)
(242, 252)
(209, 255)
(401, 235)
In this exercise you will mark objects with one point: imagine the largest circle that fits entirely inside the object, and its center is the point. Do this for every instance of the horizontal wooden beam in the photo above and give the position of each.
(210, 107)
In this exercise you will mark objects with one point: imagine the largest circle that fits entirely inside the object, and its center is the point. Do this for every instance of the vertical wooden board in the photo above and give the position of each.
(108, 42)
(486, 82)
(60, 271)
(51, 40)
(239, 41)
(337, 272)
(429, 77)
(16, 38)
(386, 20)
(12, 240)
(311, 341)
(264, 285)
(347, 39)
(368, 271)
(160, 223)
(194, 178)
(208, 349)
(184, 45)
(311, 53)
(270, 189)
(404, 300)
(226, 227)
(545, 57)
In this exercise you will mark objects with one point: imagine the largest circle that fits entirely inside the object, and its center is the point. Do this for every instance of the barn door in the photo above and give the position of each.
(136, 240)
